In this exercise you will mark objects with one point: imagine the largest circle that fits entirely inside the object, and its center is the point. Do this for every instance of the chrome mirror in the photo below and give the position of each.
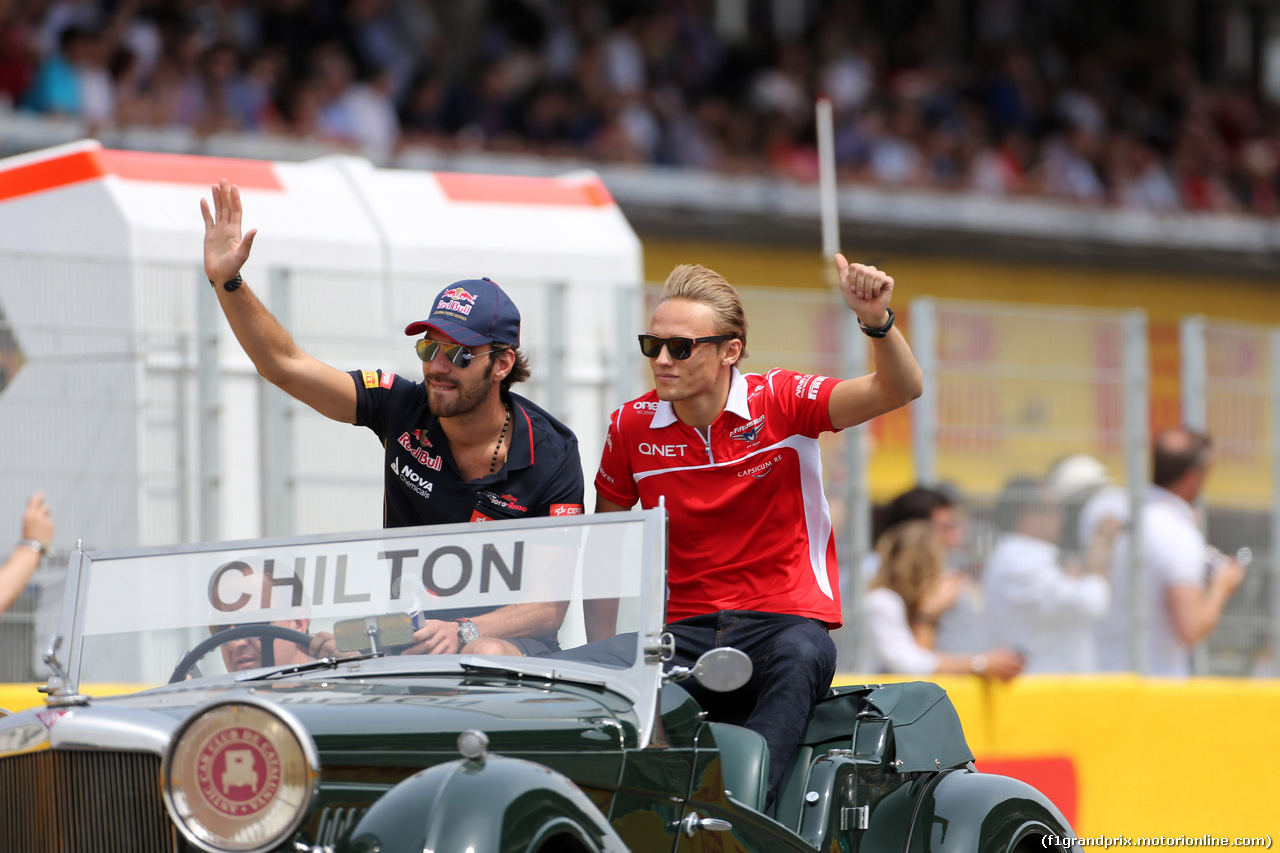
(372, 634)
(721, 670)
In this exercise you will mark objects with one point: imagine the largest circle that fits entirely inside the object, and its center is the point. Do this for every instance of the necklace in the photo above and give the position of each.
(493, 466)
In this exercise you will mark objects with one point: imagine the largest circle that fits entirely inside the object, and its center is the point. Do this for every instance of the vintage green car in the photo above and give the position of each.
(250, 744)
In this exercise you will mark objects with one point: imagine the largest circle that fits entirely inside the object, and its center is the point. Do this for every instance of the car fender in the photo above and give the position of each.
(962, 810)
(496, 804)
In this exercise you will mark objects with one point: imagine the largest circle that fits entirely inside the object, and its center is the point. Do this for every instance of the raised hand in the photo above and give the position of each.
(37, 522)
(225, 251)
(867, 291)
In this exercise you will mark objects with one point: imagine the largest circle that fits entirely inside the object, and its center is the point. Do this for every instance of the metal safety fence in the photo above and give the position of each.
(1230, 382)
(127, 400)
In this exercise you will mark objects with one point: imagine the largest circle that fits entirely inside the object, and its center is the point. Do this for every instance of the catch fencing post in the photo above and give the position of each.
(1137, 454)
(277, 426)
(210, 411)
(924, 411)
(1194, 388)
(557, 352)
(1274, 551)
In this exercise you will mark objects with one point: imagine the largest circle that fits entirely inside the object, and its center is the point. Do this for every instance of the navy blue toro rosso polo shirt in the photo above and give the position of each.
(542, 475)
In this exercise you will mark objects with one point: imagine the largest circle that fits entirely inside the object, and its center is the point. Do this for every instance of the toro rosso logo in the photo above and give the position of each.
(459, 293)
(509, 502)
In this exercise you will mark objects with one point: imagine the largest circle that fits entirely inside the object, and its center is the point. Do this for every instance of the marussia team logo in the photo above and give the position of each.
(459, 293)
(749, 431)
(238, 771)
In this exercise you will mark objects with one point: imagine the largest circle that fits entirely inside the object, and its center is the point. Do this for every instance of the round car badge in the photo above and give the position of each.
(238, 771)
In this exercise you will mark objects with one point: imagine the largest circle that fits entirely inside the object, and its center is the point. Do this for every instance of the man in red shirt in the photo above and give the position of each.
(751, 554)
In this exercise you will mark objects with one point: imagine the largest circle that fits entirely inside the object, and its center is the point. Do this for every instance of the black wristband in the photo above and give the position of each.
(231, 284)
(880, 332)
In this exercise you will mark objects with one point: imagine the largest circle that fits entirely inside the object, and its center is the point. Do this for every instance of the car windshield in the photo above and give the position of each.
(135, 616)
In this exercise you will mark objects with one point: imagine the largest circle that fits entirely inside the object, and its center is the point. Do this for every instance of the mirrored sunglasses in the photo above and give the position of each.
(457, 354)
(679, 348)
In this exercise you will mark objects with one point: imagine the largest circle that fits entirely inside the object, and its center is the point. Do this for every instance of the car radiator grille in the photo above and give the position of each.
(83, 802)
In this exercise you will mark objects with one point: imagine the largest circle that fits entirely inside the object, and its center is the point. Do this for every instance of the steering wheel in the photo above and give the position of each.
(239, 632)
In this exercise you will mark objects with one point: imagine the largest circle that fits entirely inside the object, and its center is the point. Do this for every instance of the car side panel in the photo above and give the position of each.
(960, 810)
(505, 805)
(649, 803)
(749, 832)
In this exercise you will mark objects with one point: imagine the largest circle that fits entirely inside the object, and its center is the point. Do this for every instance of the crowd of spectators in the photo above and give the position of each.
(1017, 101)
(1052, 591)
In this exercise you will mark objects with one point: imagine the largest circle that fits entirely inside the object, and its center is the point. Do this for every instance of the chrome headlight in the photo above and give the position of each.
(240, 775)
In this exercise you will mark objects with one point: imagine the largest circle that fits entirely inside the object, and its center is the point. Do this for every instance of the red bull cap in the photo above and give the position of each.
(472, 312)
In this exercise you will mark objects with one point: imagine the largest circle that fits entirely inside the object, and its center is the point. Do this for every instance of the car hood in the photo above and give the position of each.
(405, 716)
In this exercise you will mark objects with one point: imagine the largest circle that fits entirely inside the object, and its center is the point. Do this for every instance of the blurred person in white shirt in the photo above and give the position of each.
(1091, 501)
(1033, 603)
(1188, 582)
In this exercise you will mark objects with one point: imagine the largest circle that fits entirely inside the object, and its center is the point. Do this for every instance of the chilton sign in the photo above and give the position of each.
(480, 567)
(446, 572)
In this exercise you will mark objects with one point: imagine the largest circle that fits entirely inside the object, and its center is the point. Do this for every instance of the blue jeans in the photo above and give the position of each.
(793, 660)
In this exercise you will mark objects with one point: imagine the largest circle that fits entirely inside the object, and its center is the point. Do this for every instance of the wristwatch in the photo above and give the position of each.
(35, 545)
(231, 284)
(880, 332)
(467, 631)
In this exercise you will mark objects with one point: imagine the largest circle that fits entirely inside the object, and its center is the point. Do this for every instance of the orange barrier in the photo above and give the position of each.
(1128, 757)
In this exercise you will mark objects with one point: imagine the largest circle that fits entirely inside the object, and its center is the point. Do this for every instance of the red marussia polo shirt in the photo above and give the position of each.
(749, 525)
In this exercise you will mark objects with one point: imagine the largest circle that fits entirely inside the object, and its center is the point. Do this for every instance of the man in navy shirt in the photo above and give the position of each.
(459, 446)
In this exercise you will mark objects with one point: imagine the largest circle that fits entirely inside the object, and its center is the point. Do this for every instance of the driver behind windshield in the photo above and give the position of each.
(243, 649)
(246, 652)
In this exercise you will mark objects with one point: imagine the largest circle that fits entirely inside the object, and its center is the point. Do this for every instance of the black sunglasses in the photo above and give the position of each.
(679, 348)
(457, 354)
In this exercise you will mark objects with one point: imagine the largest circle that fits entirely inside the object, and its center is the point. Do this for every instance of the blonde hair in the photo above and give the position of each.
(696, 283)
(911, 558)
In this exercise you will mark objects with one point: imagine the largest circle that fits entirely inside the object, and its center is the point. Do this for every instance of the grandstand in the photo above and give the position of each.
(1054, 158)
